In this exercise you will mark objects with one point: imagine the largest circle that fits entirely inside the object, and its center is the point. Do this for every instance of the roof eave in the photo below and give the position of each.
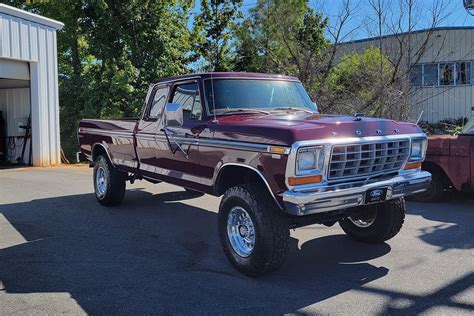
(30, 16)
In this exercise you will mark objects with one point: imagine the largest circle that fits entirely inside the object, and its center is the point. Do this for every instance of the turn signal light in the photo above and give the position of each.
(413, 165)
(304, 180)
(277, 150)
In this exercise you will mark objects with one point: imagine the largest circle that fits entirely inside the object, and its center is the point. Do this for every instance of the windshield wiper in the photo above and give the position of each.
(293, 109)
(243, 110)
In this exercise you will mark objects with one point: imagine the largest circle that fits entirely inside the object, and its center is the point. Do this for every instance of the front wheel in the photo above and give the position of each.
(434, 193)
(109, 183)
(254, 233)
(376, 223)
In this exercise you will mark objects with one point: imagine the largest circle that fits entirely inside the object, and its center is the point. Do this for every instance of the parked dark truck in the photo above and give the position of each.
(450, 160)
(259, 141)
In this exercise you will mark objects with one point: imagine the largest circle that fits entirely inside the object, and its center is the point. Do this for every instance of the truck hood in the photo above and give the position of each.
(285, 129)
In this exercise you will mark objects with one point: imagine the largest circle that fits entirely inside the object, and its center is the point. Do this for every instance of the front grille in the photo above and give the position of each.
(367, 159)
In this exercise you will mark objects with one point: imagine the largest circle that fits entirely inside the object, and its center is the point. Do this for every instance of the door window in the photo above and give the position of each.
(188, 96)
(159, 101)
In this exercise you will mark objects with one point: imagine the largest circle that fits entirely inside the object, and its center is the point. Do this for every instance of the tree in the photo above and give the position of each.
(356, 80)
(212, 29)
(283, 37)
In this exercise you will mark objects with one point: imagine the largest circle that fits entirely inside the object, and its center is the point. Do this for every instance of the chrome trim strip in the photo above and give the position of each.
(251, 168)
(175, 80)
(216, 143)
(175, 174)
(233, 145)
(97, 131)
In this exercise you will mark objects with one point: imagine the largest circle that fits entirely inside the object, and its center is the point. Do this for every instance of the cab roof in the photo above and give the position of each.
(221, 75)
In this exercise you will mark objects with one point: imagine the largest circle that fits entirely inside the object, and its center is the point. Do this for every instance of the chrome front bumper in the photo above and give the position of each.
(326, 199)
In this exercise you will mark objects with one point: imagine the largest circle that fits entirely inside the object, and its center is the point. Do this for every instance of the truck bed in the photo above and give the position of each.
(117, 137)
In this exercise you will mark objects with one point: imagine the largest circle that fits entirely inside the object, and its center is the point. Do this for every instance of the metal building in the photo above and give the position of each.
(29, 86)
(442, 71)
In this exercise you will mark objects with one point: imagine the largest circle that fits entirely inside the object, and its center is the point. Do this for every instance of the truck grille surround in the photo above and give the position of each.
(364, 160)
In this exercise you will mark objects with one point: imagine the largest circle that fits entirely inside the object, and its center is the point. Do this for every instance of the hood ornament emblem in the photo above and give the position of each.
(334, 133)
(396, 130)
(379, 132)
(358, 133)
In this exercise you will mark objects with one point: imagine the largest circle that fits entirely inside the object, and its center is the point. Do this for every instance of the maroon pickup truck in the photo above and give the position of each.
(259, 141)
(450, 160)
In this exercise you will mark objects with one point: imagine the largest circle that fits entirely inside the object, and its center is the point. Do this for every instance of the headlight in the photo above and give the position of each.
(418, 149)
(310, 160)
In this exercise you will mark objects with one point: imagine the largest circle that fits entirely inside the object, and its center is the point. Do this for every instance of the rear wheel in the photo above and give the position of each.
(254, 233)
(109, 183)
(376, 223)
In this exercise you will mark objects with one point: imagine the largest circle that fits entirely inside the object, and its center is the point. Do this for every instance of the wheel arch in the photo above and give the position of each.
(231, 174)
(99, 149)
(435, 168)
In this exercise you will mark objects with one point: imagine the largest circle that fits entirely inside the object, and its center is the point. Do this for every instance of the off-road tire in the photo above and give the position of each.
(271, 230)
(388, 222)
(434, 193)
(115, 183)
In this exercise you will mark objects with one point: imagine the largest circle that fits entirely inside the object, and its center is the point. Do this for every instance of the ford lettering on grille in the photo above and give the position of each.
(367, 159)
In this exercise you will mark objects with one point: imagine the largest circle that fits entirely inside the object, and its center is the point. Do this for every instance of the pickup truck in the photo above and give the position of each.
(258, 140)
(450, 160)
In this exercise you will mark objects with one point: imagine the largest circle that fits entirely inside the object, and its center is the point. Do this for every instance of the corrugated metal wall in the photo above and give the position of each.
(24, 40)
(445, 45)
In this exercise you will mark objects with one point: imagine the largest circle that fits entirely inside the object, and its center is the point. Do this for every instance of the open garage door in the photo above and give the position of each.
(15, 110)
(11, 69)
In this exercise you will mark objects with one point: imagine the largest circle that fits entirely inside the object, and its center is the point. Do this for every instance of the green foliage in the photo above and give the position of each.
(282, 37)
(212, 31)
(355, 84)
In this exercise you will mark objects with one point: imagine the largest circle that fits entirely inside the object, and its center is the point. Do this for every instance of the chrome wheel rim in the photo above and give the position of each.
(365, 221)
(100, 181)
(241, 231)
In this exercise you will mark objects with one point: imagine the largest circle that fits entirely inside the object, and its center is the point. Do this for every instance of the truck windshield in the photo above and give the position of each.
(469, 127)
(255, 95)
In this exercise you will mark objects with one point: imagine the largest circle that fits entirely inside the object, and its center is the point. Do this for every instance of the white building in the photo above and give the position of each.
(29, 85)
(442, 75)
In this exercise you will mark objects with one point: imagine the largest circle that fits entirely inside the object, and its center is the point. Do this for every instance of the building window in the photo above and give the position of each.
(416, 75)
(446, 74)
(430, 75)
(463, 72)
(442, 74)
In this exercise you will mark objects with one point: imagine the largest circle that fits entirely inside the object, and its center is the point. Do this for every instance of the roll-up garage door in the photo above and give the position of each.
(11, 69)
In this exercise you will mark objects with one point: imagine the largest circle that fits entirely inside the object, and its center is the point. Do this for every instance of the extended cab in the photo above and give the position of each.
(259, 141)
(450, 160)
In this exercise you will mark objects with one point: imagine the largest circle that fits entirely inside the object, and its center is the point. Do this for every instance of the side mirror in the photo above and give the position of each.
(174, 115)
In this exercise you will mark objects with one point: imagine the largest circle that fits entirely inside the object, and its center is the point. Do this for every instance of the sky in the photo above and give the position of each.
(361, 25)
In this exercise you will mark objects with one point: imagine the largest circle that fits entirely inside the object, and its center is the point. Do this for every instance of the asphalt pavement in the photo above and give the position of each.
(159, 253)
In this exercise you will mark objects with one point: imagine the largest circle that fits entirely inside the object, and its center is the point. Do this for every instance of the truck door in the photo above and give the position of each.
(147, 143)
(178, 156)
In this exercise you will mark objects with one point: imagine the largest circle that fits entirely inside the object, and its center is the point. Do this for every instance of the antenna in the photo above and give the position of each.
(419, 117)
(213, 99)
